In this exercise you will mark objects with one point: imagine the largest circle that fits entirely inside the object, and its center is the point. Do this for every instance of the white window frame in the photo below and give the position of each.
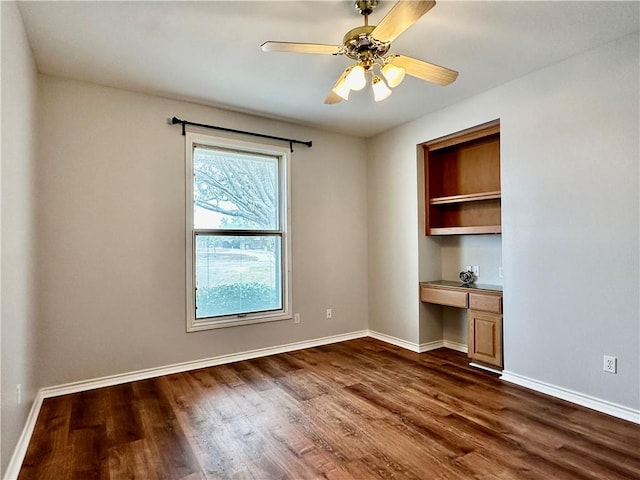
(194, 139)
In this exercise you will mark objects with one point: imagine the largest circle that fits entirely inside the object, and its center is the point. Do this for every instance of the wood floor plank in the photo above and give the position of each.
(89, 453)
(131, 460)
(122, 416)
(354, 410)
(52, 450)
(167, 445)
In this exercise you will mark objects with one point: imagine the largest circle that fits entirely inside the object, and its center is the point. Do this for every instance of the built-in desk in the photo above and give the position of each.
(484, 315)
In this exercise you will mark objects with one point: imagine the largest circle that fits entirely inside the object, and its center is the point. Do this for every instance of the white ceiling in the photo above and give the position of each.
(209, 52)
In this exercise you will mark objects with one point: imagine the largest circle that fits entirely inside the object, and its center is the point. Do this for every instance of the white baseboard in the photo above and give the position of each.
(13, 469)
(398, 342)
(588, 401)
(414, 347)
(427, 347)
(418, 347)
(458, 347)
(486, 368)
(111, 380)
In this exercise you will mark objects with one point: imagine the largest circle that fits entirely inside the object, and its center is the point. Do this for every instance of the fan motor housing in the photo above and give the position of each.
(359, 43)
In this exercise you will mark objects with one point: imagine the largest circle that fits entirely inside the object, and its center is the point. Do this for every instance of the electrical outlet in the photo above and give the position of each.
(476, 271)
(500, 272)
(610, 364)
(296, 318)
(467, 268)
(19, 393)
(329, 313)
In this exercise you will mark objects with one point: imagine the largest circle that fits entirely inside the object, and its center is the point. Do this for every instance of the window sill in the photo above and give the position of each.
(234, 321)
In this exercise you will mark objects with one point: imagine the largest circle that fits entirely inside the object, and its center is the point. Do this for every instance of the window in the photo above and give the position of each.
(237, 239)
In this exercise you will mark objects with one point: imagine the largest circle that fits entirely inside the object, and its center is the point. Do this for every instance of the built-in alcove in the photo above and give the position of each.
(457, 251)
(460, 201)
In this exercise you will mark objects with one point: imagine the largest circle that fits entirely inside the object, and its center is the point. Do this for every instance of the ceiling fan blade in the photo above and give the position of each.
(425, 71)
(332, 98)
(300, 48)
(403, 14)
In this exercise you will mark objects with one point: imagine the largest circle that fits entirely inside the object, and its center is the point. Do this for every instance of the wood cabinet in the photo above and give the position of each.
(484, 333)
(462, 182)
(484, 316)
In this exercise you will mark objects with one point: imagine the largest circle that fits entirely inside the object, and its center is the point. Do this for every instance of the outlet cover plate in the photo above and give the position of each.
(610, 364)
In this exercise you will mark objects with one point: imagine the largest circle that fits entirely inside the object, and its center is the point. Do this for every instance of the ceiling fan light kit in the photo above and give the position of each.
(356, 79)
(380, 90)
(369, 46)
(393, 74)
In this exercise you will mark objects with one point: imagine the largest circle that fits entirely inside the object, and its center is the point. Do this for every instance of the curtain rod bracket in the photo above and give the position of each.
(175, 120)
(184, 123)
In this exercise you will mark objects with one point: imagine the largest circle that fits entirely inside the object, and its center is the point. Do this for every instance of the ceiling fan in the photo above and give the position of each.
(369, 46)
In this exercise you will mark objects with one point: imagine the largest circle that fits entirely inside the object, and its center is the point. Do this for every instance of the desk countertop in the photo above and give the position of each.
(473, 286)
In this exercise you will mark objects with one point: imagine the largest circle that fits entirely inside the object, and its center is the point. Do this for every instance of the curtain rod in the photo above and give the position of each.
(291, 141)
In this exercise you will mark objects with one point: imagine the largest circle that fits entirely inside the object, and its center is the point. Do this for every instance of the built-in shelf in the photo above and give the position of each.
(465, 230)
(471, 197)
(462, 182)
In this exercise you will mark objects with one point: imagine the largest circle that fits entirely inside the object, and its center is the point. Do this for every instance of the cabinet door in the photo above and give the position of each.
(485, 337)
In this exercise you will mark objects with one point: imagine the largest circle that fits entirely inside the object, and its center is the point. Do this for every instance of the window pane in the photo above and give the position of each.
(237, 274)
(234, 190)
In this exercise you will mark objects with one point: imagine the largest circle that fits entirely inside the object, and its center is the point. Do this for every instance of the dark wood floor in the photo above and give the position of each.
(355, 410)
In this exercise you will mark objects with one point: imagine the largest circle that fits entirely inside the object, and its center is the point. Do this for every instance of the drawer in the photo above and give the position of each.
(486, 303)
(443, 297)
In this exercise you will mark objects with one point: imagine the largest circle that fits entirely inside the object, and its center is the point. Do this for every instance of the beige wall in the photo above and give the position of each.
(18, 230)
(392, 239)
(570, 211)
(111, 244)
